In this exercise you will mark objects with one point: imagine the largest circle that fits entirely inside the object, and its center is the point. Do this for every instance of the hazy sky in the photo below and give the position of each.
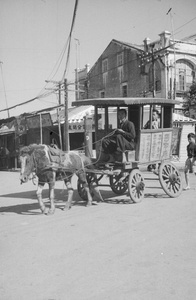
(33, 36)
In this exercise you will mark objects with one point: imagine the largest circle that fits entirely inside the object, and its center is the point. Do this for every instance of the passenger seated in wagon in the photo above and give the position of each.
(155, 120)
(122, 139)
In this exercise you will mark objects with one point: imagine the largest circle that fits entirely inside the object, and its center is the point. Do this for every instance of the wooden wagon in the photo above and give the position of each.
(153, 146)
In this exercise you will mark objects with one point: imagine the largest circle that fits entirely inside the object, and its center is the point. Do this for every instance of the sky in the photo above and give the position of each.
(34, 34)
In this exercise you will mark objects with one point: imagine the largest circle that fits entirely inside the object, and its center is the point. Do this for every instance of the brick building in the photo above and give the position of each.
(163, 68)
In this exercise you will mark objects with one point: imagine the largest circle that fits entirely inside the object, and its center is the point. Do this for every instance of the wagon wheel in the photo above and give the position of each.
(81, 191)
(170, 179)
(119, 184)
(136, 186)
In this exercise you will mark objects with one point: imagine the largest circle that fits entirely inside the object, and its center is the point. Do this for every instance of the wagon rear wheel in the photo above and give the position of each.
(170, 179)
(119, 184)
(136, 186)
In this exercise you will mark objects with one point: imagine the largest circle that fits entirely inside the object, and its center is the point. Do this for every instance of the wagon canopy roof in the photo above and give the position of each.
(124, 101)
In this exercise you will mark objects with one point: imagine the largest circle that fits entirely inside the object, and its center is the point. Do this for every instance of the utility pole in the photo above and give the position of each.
(8, 113)
(59, 84)
(150, 56)
(153, 72)
(58, 117)
(77, 69)
(66, 124)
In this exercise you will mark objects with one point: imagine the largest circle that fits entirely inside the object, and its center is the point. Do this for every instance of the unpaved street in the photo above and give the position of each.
(110, 251)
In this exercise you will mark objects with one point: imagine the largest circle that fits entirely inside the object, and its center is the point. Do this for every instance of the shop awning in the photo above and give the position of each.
(181, 118)
(6, 130)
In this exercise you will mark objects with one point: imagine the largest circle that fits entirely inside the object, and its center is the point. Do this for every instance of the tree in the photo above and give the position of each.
(189, 105)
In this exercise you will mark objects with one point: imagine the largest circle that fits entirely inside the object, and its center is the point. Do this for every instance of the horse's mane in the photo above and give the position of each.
(29, 149)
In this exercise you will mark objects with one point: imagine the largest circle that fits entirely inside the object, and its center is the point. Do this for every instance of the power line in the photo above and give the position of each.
(41, 94)
(70, 34)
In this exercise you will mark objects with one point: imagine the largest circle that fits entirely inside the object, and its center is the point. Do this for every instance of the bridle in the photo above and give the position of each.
(33, 170)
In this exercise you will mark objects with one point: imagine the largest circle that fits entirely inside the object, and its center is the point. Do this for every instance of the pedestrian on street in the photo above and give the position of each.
(190, 164)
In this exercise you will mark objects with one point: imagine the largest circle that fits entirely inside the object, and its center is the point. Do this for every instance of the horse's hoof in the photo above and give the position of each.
(44, 211)
(97, 195)
(66, 207)
(51, 212)
(88, 204)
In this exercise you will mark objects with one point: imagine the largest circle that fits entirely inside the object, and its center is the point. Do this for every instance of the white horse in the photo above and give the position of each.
(38, 159)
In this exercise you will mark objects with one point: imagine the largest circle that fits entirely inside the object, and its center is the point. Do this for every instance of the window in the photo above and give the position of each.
(105, 65)
(105, 75)
(181, 81)
(185, 75)
(120, 59)
(102, 94)
(124, 90)
(120, 73)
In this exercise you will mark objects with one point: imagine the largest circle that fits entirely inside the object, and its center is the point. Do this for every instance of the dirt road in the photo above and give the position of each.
(110, 251)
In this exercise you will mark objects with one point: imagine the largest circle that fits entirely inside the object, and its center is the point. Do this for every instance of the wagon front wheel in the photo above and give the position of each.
(119, 184)
(170, 179)
(136, 186)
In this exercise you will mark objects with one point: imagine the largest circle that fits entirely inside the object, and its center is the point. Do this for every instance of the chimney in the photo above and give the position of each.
(146, 43)
(165, 38)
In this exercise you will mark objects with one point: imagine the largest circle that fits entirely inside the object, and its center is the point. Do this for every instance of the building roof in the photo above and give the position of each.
(124, 101)
(128, 45)
(75, 114)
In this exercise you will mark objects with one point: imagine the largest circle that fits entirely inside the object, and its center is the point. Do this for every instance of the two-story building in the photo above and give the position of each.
(163, 68)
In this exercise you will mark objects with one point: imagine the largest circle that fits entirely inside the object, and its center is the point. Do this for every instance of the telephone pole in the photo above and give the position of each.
(153, 71)
(8, 113)
(66, 124)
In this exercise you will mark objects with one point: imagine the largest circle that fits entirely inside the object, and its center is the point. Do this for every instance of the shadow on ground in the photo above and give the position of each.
(61, 198)
(33, 208)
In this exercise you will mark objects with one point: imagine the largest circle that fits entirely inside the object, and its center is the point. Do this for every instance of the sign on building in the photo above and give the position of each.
(34, 122)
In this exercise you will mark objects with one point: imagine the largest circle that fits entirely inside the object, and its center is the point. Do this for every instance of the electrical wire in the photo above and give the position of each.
(69, 39)
(42, 94)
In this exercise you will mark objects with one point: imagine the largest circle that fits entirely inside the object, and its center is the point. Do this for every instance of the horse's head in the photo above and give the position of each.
(27, 163)
(33, 158)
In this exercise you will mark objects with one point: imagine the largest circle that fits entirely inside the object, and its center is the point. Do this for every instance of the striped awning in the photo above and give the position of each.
(75, 114)
(181, 118)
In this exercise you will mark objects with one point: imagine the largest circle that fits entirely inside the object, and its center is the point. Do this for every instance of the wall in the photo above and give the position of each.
(113, 88)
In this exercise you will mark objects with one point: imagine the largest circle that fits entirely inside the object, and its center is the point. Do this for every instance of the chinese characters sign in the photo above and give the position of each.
(155, 146)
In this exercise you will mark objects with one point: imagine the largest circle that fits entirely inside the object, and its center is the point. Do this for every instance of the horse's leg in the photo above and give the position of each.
(51, 184)
(70, 194)
(95, 191)
(86, 187)
(82, 177)
(39, 197)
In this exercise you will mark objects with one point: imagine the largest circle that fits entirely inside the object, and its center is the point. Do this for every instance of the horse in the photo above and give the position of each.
(50, 164)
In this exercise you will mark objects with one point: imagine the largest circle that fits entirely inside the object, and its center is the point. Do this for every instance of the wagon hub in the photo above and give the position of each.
(173, 178)
(140, 186)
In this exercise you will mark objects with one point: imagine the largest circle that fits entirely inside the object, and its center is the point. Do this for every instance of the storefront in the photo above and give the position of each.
(42, 128)
(7, 147)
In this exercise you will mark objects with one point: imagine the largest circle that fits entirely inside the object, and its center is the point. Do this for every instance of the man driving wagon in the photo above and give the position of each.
(121, 140)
